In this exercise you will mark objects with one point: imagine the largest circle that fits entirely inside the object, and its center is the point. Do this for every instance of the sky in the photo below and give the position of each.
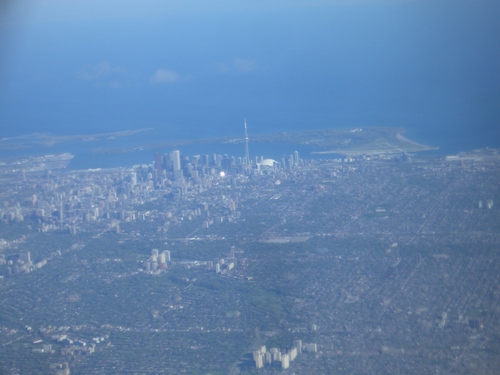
(199, 67)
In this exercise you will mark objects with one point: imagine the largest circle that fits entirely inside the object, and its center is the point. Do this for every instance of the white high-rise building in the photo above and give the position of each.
(311, 348)
(167, 255)
(258, 358)
(276, 354)
(298, 345)
(285, 361)
(293, 353)
(176, 160)
(269, 357)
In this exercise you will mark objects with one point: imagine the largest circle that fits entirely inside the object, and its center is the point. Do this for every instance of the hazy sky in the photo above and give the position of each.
(129, 63)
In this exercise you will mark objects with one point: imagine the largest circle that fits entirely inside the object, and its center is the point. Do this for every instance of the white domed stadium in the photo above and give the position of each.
(267, 163)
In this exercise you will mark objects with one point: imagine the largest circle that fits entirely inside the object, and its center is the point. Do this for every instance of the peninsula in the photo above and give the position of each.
(349, 141)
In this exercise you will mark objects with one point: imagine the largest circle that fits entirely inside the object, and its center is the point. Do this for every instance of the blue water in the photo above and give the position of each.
(430, 67)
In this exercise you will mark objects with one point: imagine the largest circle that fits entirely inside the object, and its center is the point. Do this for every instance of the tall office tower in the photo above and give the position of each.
(166, 163)
(290, 162)
(158, 163)
(247, 153)
(167, 255)
(154, 252)
(188, 168)
(163, 258)
(204, 159)
(226, 164)
(296, 157)
(133, 179)
(176, 160)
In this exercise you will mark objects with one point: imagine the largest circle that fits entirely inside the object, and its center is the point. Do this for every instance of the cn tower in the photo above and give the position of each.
(247, 154)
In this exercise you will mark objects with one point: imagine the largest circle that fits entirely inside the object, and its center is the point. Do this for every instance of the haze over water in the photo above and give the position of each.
(196, 69)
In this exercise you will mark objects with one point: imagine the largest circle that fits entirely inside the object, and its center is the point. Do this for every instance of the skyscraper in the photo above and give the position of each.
(158, 164)
(166, 162)
(176, 160)
(176, 164)
(247, 153)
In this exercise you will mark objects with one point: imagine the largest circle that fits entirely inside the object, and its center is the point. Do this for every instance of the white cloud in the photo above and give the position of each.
(165, 76)
(243, 65)
(96, 72)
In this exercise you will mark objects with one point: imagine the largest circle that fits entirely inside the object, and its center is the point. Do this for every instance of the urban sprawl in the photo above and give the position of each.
(383, 263)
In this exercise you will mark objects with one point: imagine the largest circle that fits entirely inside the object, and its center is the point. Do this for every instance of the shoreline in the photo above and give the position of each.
(406, 145)
(400, 137)
(346, 141)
